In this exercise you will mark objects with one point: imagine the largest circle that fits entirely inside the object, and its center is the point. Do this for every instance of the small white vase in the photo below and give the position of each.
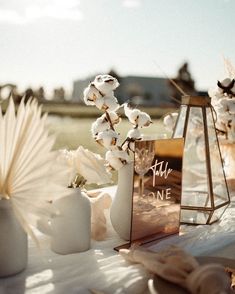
(71, 230)
(13, 242)
(121, 209)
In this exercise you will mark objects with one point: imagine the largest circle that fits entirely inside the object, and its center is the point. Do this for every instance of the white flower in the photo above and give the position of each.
(215, 93)
(170, 120)
(228, 104)
(127, 109)
(137, 117)
(108, 138)
(91, 94)
(143, 120)
(105, 83)
(131, 114)
(117, 158)
(134, 134)
(114, 117)
(100, 125)
(225, 82)
(91, 166)
(224, 116)
(107, 103)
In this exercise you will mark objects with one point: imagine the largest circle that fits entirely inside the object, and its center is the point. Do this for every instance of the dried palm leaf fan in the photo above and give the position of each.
(30, 176)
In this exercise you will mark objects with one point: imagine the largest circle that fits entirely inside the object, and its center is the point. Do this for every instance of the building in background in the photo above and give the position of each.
(147, 91)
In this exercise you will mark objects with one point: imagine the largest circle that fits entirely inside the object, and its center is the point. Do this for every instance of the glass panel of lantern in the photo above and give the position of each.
(204, 189)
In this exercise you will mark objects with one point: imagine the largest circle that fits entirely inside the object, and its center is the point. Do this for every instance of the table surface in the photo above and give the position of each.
(103, 268)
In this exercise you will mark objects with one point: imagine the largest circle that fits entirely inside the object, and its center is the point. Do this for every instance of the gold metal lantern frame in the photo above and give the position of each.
(205, 194)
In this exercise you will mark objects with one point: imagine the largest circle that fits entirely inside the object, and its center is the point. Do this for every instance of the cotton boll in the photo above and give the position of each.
(231, 129)
(107, 103)
(108, 139)
(100, 103)
(106, 83)
(170, 120)
(114, 117)
(216, 93)
(91, 94)
(134, 134)
(111, 103)
(100, 125)
(117, 158)
(226, 82)
(224, 117)
(144, 120)
(228, 104)
(133, 116)
(127, 110)
(137, 117)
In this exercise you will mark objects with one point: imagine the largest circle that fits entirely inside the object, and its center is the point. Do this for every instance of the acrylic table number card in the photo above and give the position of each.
(156, 195)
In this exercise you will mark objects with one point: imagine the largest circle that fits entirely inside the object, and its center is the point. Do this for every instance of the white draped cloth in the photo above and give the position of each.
(102, 268)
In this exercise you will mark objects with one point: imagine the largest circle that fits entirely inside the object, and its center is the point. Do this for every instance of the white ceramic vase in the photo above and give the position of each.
(71, 230)
(121, 209)
(13, 242)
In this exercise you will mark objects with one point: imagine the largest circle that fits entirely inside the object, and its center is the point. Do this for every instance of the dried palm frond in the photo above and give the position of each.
(30, 176)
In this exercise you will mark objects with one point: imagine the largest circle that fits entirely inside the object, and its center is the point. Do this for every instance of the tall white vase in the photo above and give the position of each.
(13, 242)
(71, 230)
(120, 212)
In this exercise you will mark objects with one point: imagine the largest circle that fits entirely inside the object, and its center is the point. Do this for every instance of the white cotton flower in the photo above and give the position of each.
(134, 134)
(100, 125)
(230, 129)
(127, 109)
(137, 117)
(226, 82)
(107, 103)
(143, 120)
(133, 116)
(91, 94)
(117, 158)
(216, 93)
(108, 138)
(224, 116)
(114, 117)
(105, 83)
(228, 104)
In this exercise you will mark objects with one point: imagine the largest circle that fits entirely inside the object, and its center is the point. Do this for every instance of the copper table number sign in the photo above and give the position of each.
(156, 190)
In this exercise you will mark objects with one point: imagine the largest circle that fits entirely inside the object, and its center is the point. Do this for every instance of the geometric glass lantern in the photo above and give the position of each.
(205, 194)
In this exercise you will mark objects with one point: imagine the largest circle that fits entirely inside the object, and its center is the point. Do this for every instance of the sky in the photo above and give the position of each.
(54, 42)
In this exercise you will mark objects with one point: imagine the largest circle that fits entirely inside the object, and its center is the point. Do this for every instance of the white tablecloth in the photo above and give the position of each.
(103, 268)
